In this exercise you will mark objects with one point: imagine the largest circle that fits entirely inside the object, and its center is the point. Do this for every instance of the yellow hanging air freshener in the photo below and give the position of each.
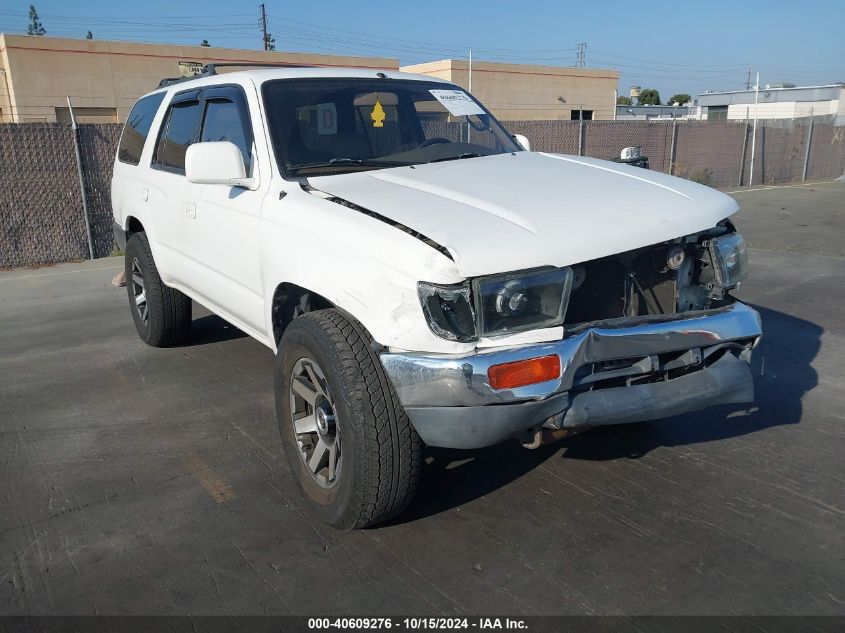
(378, 115)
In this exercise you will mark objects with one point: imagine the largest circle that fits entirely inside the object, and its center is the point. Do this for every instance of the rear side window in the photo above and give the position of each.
(224, 121)
(178, 132)
(137, 128)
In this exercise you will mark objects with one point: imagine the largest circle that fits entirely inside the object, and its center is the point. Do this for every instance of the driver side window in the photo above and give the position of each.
(224, 121)
(178, 132)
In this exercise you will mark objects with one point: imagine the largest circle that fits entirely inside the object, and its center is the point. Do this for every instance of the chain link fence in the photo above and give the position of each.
(98, 146)
(41, 217)
(40, 203)
(42, 221)
(714, 153)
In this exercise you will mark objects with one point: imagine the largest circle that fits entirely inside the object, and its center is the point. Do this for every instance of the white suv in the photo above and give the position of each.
(421, 276)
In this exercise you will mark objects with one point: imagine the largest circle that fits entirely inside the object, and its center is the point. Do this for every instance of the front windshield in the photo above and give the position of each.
(328, 126)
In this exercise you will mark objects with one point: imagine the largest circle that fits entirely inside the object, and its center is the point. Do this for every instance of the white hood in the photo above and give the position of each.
(516, 211)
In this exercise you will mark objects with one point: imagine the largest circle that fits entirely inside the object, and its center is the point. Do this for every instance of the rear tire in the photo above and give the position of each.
(162, 315)
(337, 376)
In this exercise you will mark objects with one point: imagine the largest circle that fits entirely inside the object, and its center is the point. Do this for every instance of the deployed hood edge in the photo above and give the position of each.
(330, 197)
(496, 230)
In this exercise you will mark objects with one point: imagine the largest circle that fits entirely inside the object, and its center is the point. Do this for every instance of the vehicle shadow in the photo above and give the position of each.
(783, 371)
(211, 329)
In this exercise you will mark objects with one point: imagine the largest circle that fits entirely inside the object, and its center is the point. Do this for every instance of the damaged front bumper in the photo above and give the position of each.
(613, 372)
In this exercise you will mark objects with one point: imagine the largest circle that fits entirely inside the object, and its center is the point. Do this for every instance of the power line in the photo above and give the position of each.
(362, 42)
(125, 19)
(665, 63)
(334, 40)
(426, 43)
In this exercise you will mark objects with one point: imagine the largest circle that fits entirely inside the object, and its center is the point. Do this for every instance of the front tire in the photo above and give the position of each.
(162, 315)
(347, 437)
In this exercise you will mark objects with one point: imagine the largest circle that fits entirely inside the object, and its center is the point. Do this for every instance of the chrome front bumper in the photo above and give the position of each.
(451, 404)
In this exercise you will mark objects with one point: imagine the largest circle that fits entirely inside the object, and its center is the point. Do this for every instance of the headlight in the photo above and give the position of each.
(448, 310)
(730, 260)
(498, 304)
(521, 301)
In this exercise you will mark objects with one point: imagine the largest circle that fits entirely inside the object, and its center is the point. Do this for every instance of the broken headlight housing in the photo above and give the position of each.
(448, 310)
(730, 260)
(497, 304)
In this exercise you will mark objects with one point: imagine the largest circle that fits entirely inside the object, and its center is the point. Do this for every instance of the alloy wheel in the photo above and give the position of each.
(315, 423)
(139, 292)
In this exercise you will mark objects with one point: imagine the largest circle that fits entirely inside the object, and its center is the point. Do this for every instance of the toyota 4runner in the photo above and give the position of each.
(421, 276)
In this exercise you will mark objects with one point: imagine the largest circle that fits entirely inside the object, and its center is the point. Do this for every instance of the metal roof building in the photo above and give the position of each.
(775, 102)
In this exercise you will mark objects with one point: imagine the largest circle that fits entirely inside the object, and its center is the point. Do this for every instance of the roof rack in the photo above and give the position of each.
(211, 69)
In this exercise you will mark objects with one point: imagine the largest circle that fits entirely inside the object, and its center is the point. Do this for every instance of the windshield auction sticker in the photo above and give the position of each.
(457, 102)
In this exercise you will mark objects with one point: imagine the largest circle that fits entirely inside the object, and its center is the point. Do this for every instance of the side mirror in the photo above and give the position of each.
(522, 141)
(216, 163)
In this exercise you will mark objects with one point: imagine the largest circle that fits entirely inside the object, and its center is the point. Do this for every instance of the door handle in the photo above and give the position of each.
(191, 209)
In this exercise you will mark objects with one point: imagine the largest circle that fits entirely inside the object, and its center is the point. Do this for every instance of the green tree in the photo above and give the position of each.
(623, 100)
(205, 43)
(35, 27)
(649, 96)
(89, 35)
(681, 98)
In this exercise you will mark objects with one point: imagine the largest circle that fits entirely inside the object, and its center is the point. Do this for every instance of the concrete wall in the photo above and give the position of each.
(41, 71)
(527, 92)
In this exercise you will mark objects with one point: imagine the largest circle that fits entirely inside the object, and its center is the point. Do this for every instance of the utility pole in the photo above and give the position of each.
(582, 54)
(470, 71)
(754, 129)
(748, 79)
(263, 23)
(469, 128)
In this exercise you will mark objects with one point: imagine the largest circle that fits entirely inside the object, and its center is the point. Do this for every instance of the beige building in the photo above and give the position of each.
(103, 79)
(526, 92)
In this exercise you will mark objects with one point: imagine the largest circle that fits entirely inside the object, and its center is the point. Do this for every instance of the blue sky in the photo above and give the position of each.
(673, 46)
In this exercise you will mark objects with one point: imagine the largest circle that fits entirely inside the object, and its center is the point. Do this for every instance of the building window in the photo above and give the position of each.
(87, 115)
(717, 113)
(586, 114)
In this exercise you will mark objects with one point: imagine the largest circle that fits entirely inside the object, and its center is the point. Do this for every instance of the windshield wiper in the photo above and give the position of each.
(458, 157)
(363, 162)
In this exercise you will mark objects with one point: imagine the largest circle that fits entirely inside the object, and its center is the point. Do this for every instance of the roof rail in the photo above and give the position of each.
(211, 69)
(169, 81)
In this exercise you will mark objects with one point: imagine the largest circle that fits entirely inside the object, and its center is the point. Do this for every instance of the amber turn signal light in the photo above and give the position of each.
(524, 372)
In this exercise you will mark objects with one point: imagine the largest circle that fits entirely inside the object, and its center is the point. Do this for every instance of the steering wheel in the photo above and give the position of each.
(434, 141)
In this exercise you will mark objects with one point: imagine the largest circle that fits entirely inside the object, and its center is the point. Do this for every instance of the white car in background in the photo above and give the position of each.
(421, 276)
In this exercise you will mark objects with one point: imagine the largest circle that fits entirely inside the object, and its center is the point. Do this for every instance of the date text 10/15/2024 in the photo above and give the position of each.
(413, 624)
